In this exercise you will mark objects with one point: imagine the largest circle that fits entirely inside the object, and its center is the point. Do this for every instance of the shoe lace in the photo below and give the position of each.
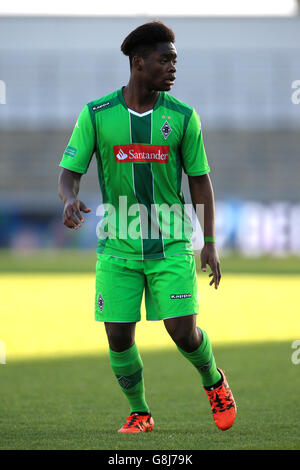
(132, 420)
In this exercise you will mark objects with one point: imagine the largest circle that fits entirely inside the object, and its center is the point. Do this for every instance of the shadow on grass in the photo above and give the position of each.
(76, 403)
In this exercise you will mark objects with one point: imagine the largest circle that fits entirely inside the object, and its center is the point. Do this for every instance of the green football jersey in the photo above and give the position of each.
(140, 158)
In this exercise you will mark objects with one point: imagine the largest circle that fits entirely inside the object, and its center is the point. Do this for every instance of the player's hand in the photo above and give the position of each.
(209, 255)
(72, 216)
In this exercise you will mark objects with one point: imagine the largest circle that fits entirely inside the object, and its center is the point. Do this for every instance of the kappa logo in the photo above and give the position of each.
(100, 106)
(166, 130)
(180, 296)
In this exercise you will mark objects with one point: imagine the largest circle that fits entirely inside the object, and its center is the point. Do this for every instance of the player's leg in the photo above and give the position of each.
(119, 292)
(171, 295)
(120, 336)
(127, 364)
(194, 345)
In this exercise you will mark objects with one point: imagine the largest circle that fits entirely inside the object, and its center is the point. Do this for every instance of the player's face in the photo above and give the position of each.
(159, 67)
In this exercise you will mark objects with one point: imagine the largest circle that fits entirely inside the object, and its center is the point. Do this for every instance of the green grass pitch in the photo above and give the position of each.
(76, 403)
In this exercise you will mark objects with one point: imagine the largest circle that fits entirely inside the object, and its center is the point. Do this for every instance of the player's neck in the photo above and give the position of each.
(138, 97)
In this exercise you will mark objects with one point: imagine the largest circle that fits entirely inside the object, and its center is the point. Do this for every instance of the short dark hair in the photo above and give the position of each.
(144, 39)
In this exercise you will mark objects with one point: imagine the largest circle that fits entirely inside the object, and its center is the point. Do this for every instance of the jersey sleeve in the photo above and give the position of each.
(81, 146)
(192, 148)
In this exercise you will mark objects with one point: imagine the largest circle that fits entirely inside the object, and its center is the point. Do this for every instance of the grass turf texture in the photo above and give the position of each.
(72, 261)
(57, 389)
(75, 403)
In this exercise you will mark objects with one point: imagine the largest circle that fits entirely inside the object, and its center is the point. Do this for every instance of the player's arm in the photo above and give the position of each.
(202, 193)
(68, 189)
(196, 167)
(74, 163)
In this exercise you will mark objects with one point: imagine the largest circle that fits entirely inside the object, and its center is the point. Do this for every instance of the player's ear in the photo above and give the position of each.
(137, 62)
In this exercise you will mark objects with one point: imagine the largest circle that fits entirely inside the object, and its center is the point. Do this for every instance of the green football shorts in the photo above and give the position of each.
(170, 286)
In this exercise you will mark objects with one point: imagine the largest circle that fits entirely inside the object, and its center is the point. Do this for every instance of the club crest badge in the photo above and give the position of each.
(166, 130)
(100, 302)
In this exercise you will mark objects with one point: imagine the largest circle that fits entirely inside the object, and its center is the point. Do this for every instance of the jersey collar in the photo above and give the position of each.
(156, 105)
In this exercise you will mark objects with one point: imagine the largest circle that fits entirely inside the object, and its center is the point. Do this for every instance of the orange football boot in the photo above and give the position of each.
(137, 423)
(222, 404)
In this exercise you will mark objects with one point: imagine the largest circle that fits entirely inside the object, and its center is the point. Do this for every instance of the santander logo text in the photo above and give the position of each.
(141, 153)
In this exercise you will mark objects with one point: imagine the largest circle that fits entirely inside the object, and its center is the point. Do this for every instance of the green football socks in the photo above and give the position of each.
(128, 369)
(204, 361)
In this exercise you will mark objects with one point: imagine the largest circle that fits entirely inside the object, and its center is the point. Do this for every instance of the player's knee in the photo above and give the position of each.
(184, 336)
(119, 340)
(180, 336)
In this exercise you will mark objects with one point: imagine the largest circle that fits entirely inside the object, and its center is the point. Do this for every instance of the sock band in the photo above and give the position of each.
(130, 381)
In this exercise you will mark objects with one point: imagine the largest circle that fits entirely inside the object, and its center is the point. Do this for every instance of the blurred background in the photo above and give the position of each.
(238, 66)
